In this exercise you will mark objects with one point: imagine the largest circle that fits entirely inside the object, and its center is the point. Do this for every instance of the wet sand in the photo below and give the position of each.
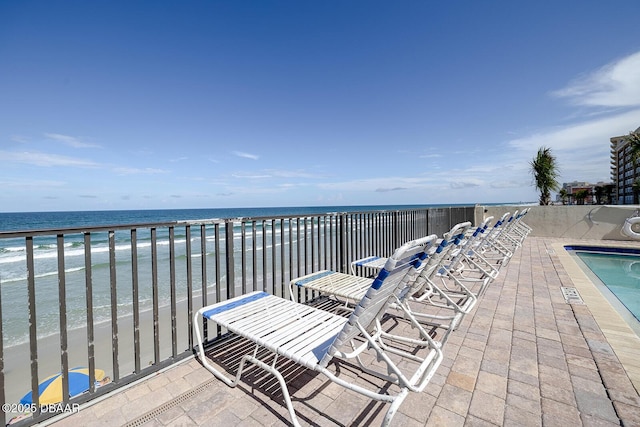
(17, 359)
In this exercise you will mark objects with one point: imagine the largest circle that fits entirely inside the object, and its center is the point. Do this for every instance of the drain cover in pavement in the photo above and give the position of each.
(571, 295)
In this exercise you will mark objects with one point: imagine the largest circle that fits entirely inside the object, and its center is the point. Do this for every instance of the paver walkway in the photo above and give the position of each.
(523, 357)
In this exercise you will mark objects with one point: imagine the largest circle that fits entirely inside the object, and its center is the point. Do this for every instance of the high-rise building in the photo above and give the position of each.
(623, 171)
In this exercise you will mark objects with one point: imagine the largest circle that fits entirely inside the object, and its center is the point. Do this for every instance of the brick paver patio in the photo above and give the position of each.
(523, 357)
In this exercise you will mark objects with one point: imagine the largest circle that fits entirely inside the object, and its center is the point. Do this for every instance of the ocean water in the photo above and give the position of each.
(53, 220)
(13, 270)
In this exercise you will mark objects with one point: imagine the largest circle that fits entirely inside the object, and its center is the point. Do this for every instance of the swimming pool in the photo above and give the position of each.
(616, 272)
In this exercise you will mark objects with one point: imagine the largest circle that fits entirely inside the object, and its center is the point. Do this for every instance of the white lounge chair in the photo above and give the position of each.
(455, 301)
(503, 239)
(450, 296)
(515, 230)
(369, 263)
(494, 245)
(313, 338)
(468, 265)
(519, 230)
(349, 288)
(373, 262)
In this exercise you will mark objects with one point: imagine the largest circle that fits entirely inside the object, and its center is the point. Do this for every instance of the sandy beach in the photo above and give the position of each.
(17, 359)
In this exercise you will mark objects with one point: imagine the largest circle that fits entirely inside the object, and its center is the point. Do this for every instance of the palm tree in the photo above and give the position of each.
(636, 190)
(600, 193)
(564, 195)
(634, 142)
(545, 174)
(581, 195)
(609, 189)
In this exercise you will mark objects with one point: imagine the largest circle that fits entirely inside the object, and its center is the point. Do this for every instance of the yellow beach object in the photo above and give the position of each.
(50, 390)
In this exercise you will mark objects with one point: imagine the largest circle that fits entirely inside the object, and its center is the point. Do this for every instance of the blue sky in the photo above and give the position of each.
(146, 105)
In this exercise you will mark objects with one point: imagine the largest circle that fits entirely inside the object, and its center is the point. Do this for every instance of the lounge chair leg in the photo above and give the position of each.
(252, 359)
(203, 358)
(283, 385)
(395, 405)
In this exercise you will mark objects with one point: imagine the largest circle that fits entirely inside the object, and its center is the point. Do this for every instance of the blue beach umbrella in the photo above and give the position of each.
(50, 390)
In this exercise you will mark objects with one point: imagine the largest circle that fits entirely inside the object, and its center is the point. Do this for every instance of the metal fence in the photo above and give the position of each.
(121, 298)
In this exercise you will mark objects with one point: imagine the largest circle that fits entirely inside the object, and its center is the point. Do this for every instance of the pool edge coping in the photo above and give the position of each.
(623, 340)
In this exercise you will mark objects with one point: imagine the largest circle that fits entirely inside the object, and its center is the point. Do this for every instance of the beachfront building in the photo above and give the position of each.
(624, 171)
(585, 193)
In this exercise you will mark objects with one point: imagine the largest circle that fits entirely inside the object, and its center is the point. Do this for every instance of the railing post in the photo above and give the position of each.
(135, 294)
(230, 263)
(264, 256)
(3, 399)
(276, 291)
(33, 331)
(62, 305)
(172, 290)
(189, 267)
(155, 298)
(342, 242)
(396, 230)
(114, 304)
(203, 274)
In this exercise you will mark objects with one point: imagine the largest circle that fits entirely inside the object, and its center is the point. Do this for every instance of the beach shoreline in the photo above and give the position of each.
(17, 359)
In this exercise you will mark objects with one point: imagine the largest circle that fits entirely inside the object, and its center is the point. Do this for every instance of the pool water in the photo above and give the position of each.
(618, 270)
(620, 273)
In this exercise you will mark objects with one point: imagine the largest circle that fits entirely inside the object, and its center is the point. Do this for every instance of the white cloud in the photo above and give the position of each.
(246, 155)
(138, 171)
(275, 173)
(179, 159)
(615, 85)
(507, 184)
(71, 141)
(378, 184)
(386, 190)
(19, 138)
(583, 135)
(288, 185)
(456, 185)
(582, 149)
(236, 175)
(44, 159)
(37, 184)
(291, 174)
